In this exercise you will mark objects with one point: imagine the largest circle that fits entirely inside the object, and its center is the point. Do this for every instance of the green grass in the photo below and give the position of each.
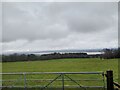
(61, 65)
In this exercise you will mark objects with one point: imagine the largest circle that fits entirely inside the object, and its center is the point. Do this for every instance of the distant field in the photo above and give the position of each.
(63, 65)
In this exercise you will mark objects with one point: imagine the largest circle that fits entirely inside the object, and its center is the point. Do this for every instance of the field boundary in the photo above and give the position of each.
(60, 76)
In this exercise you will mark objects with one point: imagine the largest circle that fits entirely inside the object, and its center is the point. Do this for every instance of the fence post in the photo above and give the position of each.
(109, 76)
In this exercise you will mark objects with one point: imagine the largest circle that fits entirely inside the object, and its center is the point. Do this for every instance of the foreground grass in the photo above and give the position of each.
(62, 65)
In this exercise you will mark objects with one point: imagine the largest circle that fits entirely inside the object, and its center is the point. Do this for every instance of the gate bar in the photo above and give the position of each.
(18, 73)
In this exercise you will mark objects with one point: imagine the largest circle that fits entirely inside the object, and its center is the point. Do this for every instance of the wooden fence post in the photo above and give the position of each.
(109, 76)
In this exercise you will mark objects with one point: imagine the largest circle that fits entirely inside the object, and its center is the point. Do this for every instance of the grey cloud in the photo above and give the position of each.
(92, 18)
(85, 17)
(77, 41)
(48, 25)
(32, 20)
(0, 27)
(0, 21)
(23, 25)
(119, 24)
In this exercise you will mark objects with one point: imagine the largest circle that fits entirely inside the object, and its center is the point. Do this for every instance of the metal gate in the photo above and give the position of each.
(44, 80)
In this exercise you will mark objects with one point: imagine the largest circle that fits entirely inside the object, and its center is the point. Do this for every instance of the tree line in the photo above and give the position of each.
(32, 57)
(111, 53)
(108, 54)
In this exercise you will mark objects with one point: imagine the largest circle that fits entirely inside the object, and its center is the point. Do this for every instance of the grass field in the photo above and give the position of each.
(62, 65)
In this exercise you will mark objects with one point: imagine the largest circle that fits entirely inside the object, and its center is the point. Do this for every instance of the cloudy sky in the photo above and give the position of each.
(30, 26)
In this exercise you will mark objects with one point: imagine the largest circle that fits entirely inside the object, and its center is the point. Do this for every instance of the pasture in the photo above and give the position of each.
(62, 65)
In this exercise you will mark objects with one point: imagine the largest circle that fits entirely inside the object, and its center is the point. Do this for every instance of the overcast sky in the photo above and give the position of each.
(59, 25)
